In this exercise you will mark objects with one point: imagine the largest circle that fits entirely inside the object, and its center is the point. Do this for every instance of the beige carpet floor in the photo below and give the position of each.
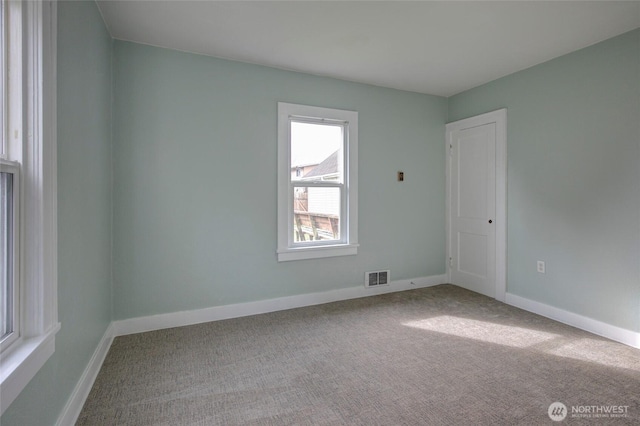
(436, 356)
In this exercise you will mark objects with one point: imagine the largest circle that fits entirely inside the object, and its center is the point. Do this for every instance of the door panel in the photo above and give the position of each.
(472, 174)
(473, 208)
(472, 254)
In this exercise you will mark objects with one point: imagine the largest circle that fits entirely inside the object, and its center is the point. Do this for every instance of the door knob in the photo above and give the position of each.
(490, 221)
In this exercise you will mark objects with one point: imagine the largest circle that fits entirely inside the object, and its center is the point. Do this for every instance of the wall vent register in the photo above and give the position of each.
(376, 278)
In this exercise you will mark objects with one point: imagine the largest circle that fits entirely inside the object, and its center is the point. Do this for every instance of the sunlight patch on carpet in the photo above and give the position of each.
(592, 350)
(489, 332)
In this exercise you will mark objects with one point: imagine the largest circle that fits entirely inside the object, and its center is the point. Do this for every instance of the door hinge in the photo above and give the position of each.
(451, 262)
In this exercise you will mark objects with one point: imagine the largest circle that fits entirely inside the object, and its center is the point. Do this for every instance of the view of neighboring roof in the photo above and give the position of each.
(328, 166)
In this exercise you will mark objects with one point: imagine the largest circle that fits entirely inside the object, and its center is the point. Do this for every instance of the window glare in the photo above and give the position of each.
(313, 143)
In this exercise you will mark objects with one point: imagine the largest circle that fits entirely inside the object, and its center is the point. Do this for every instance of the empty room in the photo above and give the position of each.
(320, 213)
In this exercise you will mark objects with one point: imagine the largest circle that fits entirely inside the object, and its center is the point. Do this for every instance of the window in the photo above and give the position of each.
(317, 182)
(28, 246)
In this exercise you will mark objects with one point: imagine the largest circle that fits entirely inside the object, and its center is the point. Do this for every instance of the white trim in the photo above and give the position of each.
(76, 401)
(39, 175)
(501, 204)
(33, 178)
(39, 308)
(50, 162)
(499, 117)
(216, 313)
(301, 253)
(591, 325)
(21, 363)
(14, 69)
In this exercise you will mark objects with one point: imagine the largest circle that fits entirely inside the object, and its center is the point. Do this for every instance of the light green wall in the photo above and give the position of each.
(84, 212)
(194, 186)
(574, 178)
(195, 182)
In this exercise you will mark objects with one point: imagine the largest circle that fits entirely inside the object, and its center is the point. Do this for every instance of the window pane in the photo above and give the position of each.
(316, 212)
(316, 151)
(6, 254)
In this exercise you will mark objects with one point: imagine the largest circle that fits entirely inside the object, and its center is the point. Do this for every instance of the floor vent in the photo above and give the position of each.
(376, 278)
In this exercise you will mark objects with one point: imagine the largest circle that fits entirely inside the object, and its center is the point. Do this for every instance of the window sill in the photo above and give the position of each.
(21, 363)
(302, 253)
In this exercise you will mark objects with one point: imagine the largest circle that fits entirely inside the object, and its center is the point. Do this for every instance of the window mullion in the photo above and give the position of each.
(317, 184)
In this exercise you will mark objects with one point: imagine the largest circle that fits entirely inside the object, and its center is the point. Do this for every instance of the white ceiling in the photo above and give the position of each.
(438, 48)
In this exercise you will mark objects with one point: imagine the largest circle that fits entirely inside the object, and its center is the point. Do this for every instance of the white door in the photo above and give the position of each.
(473, 219)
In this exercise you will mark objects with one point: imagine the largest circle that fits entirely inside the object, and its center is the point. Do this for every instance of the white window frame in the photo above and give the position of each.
(12, 168)
(348, 244)
(30, 141)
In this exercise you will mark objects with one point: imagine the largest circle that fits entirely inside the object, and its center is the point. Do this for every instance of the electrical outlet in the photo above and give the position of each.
(541, 267)
(400, 176)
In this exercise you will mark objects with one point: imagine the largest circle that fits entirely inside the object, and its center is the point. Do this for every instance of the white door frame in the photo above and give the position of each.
(499, 117)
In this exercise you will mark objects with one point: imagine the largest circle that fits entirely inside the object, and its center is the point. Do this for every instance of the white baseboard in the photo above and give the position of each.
(591, 325)
(74, 405)
(72, 409)
(179, 319)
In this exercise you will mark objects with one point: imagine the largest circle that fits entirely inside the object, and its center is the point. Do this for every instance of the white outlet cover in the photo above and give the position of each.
(541, 267)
